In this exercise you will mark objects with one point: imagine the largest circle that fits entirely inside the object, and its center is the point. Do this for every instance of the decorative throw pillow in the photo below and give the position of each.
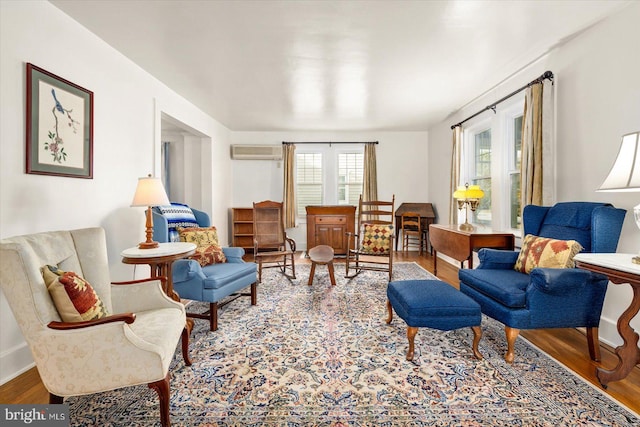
(376, 239)
(178, 215)
(546, 253)
(74, 297)
(208, 250)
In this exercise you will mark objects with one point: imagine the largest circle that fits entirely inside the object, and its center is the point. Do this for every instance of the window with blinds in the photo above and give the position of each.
(308, 181)
(350, 177)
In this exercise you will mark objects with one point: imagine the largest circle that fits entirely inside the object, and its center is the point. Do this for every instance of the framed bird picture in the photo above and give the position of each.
(59, 126)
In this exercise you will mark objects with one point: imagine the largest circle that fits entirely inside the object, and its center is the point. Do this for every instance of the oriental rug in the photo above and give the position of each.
(323, 356)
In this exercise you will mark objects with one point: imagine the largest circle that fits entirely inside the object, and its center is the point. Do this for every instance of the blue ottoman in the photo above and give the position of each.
(433, 304)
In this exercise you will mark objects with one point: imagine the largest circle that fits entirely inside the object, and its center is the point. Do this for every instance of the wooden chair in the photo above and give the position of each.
(412, 232)
(372, 248)
(270, 240)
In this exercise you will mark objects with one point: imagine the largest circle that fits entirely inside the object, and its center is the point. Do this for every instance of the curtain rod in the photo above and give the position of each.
(546, 75)
(330, 142)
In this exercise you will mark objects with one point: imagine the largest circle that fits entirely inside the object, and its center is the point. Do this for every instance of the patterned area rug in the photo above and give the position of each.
(324, 356)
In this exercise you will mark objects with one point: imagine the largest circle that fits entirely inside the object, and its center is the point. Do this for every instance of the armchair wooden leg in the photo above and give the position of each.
(594, 343)
(54, 399)
(186, 332)
(213, 316)
(411, 335)
(162, 388)
(477, 335)
(389, 312)
(254, 293)
(512, 334)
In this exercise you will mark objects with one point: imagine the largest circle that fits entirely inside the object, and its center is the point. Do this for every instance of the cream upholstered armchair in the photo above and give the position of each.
(133, 344)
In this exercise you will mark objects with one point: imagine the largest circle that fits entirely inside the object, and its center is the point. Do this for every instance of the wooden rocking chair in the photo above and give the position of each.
(270, 239)
(372, 247)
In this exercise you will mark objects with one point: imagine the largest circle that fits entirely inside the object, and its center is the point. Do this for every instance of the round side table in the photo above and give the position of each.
(160, 260)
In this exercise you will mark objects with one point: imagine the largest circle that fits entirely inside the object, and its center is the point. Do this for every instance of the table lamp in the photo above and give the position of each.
(625, 173)
(468, 197)
(149, 193)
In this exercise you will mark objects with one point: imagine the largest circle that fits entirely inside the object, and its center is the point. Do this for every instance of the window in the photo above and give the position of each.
(491, 159)
(482, 174)
(515, 147)
(308, 180)
(350, 176)
(328, 175)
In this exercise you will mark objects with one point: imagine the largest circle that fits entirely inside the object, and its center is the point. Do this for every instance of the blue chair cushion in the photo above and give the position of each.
(433, 304)
(218, 275)
(508, 287)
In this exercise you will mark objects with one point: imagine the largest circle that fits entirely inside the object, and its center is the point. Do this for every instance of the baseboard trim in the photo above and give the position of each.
(14, 362)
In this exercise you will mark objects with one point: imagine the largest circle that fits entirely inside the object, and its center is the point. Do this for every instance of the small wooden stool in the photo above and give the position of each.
(322, 255)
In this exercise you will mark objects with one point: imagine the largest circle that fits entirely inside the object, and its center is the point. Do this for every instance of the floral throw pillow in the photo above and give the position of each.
(546, 253)
(208, 250)
(74, 298)
(376, 239)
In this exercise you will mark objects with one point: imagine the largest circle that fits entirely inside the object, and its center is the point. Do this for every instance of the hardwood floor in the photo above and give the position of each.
(568, 346)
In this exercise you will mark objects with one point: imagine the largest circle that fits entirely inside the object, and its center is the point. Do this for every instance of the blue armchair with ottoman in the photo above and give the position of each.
(538, 286)
(212, 273)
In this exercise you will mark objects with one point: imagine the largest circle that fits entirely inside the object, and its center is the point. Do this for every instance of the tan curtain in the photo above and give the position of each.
(289, 196)
(456, 156)
(531, 167)
(370, 180)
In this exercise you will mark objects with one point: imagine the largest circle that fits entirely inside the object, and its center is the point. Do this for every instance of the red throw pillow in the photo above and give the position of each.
(74, 298)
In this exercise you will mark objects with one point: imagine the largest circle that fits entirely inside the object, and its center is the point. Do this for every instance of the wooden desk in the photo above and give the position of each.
(459, 245)
(619, 269)
(160, 260)
(426, 212)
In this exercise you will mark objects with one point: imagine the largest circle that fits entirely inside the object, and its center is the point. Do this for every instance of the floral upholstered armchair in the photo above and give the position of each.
(86, 334)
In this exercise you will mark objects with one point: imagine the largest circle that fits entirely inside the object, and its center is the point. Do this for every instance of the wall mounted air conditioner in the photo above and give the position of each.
(256, 152)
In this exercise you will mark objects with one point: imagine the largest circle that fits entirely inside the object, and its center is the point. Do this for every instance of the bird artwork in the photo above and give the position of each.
(55, 143)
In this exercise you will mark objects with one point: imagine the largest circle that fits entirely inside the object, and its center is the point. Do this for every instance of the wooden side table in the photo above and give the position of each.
(619, 269)
(160, 260)
(459, 244)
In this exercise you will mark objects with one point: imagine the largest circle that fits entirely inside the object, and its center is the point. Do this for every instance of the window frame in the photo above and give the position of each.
(330, 179)
(502, 166)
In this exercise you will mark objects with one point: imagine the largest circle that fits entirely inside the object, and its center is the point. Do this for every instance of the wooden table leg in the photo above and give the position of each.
(628, 353)
(331, 275)
(312, 273)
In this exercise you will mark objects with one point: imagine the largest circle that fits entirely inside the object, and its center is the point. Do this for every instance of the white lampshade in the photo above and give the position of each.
(150, 192)
(625, 173)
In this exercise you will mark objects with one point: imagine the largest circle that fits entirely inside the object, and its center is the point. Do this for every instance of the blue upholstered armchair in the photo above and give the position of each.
(210, 283)
(548, 297)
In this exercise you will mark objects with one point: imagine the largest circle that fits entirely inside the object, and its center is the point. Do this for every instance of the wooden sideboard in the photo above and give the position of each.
(328, 225)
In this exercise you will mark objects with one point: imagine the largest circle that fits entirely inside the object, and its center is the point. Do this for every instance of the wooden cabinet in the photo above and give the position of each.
(328, 225)
(242, 228)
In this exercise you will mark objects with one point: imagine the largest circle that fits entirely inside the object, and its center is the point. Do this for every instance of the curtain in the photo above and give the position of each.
(370, 179)
(456, 156)
(289, 196)
(531, 167)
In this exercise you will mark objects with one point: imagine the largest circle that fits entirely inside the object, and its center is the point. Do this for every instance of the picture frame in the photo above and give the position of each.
(59, 134)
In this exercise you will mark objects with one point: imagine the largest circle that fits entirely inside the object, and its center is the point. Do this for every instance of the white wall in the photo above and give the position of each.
(598, 100)
(401, 164)
(128, 103)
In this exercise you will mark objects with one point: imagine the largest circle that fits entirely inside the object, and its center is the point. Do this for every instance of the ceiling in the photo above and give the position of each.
(334, 65)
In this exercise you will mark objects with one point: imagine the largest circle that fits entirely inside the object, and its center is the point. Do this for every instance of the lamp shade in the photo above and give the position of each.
(150, 192)
(625, 173)
(460, 193)
(474, 192)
